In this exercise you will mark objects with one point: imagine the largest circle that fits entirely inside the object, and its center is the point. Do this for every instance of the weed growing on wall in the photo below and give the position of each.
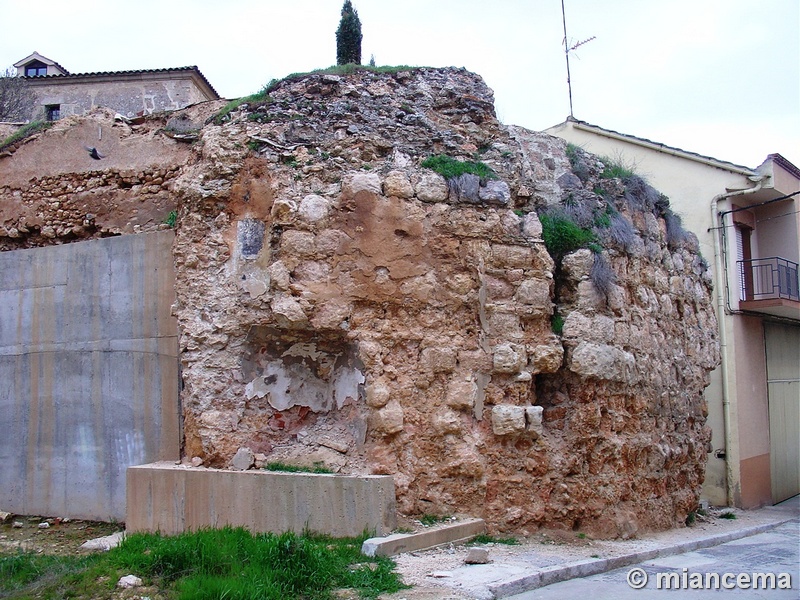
(25, 131)
(562, 235)
(450, 168)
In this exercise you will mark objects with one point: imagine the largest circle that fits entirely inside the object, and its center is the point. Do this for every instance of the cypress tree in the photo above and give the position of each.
(348, 36)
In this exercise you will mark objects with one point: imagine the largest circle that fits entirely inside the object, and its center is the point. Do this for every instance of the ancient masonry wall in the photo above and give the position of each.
(340, 304)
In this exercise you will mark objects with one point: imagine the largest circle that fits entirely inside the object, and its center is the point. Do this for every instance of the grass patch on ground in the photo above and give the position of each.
(208, 564)
(428, 520)
(490, 539)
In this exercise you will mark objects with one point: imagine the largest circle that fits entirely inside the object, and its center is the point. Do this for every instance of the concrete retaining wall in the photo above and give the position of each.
(88, 373)
(171, 498)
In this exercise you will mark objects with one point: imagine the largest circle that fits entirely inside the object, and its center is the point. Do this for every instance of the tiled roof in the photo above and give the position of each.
(661, 146)
(786, 164)
(133, 72)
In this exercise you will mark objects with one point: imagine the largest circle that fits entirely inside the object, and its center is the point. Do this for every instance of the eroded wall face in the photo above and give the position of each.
(89, 372)
(442, 296)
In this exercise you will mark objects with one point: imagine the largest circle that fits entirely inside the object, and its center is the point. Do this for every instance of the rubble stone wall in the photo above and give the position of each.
(339, 303)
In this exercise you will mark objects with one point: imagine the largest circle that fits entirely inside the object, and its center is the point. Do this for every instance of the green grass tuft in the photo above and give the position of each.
(258, 99)
(450, 168)
(25, 131)
(429, 520)
(615, 169)
(562, 236)
(728, 515)
(557, 324)
(171, 219)
(318, 467)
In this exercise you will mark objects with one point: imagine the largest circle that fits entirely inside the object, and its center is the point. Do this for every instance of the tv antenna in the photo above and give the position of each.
(567, 49)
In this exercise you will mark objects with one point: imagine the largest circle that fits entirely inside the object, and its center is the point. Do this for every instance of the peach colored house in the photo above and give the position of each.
(60, 93)
(748, 224)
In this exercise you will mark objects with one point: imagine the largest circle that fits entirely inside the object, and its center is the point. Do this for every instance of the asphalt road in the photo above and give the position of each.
(776, 551)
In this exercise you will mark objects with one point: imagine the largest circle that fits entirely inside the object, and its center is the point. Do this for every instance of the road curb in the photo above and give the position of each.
(595, 566)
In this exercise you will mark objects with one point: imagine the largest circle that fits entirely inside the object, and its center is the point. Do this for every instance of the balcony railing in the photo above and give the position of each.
(768, 278)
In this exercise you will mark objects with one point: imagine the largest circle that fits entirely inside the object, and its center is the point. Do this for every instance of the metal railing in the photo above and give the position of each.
(767, 278)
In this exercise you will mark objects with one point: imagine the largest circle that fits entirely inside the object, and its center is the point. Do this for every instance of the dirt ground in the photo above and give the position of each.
(60, 537)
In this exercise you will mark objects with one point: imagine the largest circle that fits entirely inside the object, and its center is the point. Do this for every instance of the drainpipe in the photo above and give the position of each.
(722, 285)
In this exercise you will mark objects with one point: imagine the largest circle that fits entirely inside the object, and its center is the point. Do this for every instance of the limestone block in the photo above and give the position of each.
(243, 459)
(255, 287)
(535, 292)
(438, 360)
(378, 395)
(314, 208)
(512, 257)
(298, 243)
(279, 275)
(361, 182)
(465, 188)
(387, 420)
(508, 419)
(447, 422)
(432, 188)
(397, 185)
(332, 314)
(283, 210)
(504, 325)
(532, 226)
(288, 312)
(461, 394)
(509, 358)
(547, 358)
(603, 362)
(495, 192)
(219, 420)
(533, 421)
(577, 265)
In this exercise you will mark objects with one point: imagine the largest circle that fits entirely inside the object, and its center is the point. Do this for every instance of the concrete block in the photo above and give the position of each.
(173, 498)
(410, 542)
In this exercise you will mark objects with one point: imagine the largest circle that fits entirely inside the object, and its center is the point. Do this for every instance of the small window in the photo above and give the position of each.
(53, 112)
(36, 69)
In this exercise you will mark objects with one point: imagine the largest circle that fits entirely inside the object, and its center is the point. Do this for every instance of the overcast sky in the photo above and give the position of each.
(717, 77)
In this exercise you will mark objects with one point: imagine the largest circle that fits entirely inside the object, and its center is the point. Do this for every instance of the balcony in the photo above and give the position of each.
(770, 286)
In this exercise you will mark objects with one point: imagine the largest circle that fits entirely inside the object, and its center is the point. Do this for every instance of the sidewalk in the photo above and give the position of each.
(441, 574)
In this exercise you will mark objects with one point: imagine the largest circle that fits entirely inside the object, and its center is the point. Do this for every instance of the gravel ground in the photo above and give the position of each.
(430, 571)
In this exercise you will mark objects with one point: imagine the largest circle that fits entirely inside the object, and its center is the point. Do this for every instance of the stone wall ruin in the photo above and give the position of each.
(340, 303)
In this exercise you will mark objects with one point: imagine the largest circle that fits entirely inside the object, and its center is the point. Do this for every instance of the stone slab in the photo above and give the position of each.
(411, 542)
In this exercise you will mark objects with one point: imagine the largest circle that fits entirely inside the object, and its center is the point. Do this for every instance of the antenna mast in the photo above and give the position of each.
(566, 54)
(567, 50)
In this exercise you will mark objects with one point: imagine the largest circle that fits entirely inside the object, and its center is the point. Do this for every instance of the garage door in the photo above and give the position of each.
(783, 384)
